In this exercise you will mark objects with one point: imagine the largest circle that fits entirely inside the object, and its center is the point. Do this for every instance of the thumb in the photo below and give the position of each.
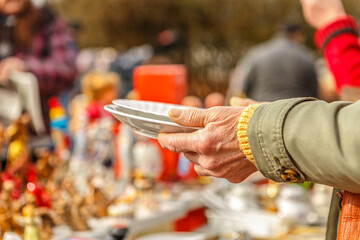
(191, 117)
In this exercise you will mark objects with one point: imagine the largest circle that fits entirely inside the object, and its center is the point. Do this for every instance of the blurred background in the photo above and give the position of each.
(214, 34)
(70, 170)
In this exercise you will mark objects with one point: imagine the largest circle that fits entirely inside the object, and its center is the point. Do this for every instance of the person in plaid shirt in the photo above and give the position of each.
(36, 40)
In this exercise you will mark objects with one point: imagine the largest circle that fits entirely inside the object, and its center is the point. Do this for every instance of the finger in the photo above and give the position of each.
(192, 157)
(241, 102)
(5, 71)
(3, 74)
(180, 142)
(201, 171)
(2, 63)
(191, 117)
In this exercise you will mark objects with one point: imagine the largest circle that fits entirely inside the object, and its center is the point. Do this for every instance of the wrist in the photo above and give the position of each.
(344, 24)
(242, 131)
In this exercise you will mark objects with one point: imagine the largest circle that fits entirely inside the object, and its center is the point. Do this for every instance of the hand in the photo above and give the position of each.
(319, 13)
(215, 149)
(8, 65)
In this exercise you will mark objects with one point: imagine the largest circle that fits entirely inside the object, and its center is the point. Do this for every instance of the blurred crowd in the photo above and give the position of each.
(64, 89)
(50, 87)
(36, 40)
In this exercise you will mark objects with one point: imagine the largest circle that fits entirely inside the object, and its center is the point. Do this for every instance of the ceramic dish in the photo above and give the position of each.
(155, 110)
(147, 118)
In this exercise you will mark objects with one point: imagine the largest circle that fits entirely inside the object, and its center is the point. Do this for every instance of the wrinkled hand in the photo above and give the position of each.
(215, 149)
(8, 65)
(319, 13)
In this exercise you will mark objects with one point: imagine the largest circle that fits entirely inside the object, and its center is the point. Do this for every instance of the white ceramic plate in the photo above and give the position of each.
(147, 118)
(149, 109)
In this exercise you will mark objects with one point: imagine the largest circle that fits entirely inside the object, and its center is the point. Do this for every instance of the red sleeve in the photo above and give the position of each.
(339, 41)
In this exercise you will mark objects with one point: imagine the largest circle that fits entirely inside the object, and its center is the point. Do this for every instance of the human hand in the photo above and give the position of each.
(8, 65)
(319, 13)
(215, 149)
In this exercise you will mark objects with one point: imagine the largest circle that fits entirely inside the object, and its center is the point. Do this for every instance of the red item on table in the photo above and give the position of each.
(29, 182)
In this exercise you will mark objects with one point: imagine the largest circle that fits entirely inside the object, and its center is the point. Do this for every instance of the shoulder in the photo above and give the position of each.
(49, 21)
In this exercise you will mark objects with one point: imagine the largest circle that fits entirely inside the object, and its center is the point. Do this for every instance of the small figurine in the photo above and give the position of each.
(91, 125)
(17, 136)
(44, 165)
(62, 214)
(147, 205)
(100, 201)
(68, 185)
(2, 136)
(147, 159)
(99, 89)
(47, 224)
(124, 206)
(6, 207)
(78, 220)
(31, 231)
(30, 220)
(269, 196)
(59, 128)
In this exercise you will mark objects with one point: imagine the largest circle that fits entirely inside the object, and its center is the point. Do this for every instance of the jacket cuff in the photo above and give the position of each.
(346, 24)
(242, 131)
(265, 135)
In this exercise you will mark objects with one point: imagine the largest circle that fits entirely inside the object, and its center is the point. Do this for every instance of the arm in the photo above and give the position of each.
(300, 139)
(57, 70)
(339, 41)
(337, 37)
(290, 140)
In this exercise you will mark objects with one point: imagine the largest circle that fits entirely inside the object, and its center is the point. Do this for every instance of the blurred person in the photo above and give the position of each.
(214, 99)
(99, 89)
(35, 40)
(337, 36)
(167, 47)
(327, 86)
(126, 62)
(277, 69)
(192, 101)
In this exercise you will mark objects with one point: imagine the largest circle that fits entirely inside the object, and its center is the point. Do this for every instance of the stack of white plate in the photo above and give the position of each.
(147, 118)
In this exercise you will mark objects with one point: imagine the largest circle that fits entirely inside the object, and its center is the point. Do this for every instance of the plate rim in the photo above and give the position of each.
(115, 102)
(107, 108)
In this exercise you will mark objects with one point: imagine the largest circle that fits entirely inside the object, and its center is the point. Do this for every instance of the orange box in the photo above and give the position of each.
(161, 83)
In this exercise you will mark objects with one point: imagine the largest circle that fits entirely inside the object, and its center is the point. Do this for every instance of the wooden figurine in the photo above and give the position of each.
(62, 214)
(44, 165)
(78, 220)
(17, 135)
(99, 200)
(2, 138)
(6, 207)
(47, 224)
(31, 221)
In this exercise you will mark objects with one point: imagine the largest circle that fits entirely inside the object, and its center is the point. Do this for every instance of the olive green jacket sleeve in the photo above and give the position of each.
(318, 141)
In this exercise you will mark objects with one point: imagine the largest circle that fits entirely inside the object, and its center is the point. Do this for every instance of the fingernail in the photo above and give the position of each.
(234, 101)
(175, 113)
